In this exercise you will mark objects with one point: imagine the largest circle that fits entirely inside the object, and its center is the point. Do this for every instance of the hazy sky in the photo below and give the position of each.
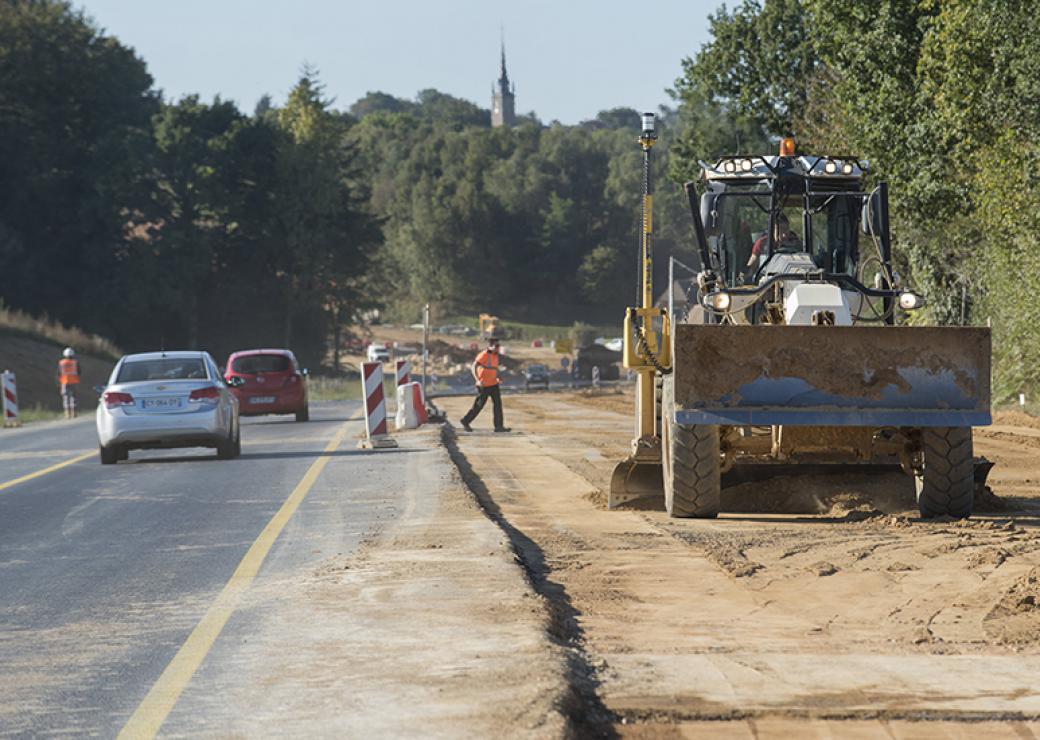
(569, 59)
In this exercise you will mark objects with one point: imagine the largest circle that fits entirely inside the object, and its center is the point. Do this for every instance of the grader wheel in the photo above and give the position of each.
(691, 461)
(946, 485)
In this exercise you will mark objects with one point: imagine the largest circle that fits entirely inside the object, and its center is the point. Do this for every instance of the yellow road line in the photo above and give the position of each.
(51, 469)
(154, 708)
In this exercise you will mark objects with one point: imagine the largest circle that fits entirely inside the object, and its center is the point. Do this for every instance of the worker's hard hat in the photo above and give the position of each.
(69, 352)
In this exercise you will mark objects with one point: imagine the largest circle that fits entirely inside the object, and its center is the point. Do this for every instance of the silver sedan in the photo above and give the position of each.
(160, 400)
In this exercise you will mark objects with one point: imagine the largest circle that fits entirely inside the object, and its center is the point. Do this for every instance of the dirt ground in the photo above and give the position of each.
(450, 353)
(812, 608)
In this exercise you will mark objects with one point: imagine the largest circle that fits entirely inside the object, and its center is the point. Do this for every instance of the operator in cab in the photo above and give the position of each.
(784, 240)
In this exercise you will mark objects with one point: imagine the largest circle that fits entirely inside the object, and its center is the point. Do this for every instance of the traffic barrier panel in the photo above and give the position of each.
(404, 371)
(419, 401)
(376, 432)
(10, 399)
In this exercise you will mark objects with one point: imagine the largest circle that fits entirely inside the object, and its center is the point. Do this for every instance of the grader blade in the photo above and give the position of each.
(881, 376)
(635, 479)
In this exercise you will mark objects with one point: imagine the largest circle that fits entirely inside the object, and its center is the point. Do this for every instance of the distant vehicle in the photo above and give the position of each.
(536, 375)
(268, 381)
(596, 355)
(378, 353)
(160, 400)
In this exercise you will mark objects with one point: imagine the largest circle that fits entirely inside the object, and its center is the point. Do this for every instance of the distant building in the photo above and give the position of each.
(503, 98)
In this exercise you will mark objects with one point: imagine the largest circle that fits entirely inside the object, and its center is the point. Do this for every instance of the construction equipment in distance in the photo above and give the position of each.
(790, 359)
(488, 325)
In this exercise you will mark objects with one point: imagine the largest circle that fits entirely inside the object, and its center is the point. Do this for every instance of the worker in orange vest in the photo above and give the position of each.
(485, 372)
(68, 377)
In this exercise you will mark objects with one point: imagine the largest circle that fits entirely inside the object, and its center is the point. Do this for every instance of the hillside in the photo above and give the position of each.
(34, 360)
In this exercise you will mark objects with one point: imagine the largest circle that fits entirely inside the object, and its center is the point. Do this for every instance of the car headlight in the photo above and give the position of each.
(908, 301)
(718, 301)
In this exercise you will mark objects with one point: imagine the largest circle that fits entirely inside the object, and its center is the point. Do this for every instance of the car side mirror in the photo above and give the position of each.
(99, 389)
(235, 382)
(306, 371)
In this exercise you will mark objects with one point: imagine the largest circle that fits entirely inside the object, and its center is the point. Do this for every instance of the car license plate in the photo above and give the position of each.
(262, 399)
(161, 403)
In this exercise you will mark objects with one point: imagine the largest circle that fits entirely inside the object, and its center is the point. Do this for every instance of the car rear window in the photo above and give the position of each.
(167, 368)
(253, 364)
(537, 368)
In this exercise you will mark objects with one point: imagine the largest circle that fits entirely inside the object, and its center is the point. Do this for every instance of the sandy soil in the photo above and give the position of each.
(825, 608)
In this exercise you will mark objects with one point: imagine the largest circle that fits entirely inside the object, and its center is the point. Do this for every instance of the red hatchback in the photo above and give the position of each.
(268, 381)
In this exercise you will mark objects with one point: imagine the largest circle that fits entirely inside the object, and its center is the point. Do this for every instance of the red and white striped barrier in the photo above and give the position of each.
(420, 402)
(10, 399)
(404, 371)
(376, 432)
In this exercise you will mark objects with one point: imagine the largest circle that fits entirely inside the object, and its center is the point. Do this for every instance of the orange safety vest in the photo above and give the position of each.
(68, 371)
(487, 369)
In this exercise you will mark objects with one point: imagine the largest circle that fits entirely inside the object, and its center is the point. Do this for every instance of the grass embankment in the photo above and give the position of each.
(18, 323)
(31, 347)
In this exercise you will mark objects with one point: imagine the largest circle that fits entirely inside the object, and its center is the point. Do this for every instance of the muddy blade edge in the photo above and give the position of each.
(832, 376)
(634, 480)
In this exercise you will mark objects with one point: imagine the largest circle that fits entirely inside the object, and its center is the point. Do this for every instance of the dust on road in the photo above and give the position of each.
(834, 604)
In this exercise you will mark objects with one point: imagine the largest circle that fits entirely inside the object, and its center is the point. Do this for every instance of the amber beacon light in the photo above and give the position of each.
(787, 146)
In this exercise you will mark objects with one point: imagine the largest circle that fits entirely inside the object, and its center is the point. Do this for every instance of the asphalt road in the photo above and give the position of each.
(106, 570)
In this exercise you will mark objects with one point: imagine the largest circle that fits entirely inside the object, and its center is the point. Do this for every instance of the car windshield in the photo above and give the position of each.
(253, 364)
(167, 368)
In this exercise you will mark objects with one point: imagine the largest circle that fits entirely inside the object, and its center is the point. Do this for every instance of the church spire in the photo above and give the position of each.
(503, 101)
(503, 77)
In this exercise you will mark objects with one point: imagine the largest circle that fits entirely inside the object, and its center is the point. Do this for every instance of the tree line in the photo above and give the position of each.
(943, 99)
(193, 223)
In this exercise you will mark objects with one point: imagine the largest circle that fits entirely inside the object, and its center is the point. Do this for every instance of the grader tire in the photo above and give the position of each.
(692, 477)
(946, 486)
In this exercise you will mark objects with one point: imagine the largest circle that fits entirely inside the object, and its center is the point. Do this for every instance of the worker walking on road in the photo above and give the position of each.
(68, 377)
(485, 372)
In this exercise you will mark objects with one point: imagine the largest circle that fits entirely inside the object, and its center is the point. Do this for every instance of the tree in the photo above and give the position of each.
(759, 61)
(191, 214)
(75, 107)
(320, 216)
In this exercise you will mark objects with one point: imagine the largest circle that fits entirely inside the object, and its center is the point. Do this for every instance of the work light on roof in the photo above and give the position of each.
(745, 165)
(730, 166)
(846, 169)
(830, 167)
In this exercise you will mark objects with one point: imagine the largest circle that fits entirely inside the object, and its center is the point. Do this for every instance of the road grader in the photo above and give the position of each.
(794, 355)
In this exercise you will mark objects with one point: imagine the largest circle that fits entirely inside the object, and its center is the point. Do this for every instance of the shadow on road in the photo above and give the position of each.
(268, 456)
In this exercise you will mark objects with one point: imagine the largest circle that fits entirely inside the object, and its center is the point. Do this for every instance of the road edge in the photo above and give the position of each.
(580, 705)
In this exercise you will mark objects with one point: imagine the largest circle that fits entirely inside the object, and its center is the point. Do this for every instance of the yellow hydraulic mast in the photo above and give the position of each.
(647, 350)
